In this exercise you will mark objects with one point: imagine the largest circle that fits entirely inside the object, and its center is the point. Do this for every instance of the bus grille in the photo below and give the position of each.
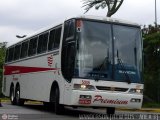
(111, 88)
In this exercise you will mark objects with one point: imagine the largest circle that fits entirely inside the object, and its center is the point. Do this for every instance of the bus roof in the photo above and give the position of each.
(108, 19)
(88, 17)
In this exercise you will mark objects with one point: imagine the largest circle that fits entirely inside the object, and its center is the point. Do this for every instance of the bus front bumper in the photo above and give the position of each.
(106, 99)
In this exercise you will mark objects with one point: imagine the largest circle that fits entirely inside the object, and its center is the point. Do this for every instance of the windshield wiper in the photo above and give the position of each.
(100, 68)
(128, 80)
(103, 63)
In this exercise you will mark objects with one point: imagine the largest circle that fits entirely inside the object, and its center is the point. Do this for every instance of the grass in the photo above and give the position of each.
(5, 98)
(151, 105)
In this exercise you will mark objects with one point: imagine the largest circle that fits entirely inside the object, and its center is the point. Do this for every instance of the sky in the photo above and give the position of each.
(24, 17)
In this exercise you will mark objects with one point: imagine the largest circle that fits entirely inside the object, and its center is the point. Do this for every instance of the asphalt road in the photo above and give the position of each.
(39, 112)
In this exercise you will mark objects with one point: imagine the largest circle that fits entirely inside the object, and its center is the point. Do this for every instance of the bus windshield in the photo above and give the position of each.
(108, 52)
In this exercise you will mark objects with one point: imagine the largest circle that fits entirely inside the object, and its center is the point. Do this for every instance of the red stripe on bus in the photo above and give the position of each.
(23, 69)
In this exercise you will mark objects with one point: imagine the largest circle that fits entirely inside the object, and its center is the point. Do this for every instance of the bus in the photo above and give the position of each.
(85, 61)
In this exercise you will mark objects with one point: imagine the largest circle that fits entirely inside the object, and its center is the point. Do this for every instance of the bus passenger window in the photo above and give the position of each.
(11, 53)
(51, 40)
(42, 43)
(57, 37)
(32, 46)
(17, 52)
(24, 49)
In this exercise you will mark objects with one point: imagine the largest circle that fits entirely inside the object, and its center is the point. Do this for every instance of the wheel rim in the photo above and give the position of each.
(12, 96)
(17, 95)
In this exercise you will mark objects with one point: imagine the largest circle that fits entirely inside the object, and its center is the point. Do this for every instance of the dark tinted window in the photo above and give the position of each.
(11, 54)
(69, 29)
(57, 37)
(42, 43)
(24, 49)
(51, 40)
(54, 38)
(6, 57)
(17, 52)
(94, 51)
(32, 46)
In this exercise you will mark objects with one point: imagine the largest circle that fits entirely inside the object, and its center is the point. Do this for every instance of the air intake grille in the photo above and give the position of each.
(112, 88)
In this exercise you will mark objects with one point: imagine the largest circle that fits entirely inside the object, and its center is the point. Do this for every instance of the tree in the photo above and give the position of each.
(113, 5)
(151, 41)
(2, 55)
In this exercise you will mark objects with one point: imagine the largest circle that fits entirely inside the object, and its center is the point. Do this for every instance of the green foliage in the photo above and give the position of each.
(113, 5)
(2, 57)
(151, 105)
(152, 63)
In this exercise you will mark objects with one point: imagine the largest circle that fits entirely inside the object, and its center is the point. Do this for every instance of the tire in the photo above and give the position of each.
(12, 97)
(59, 109)
(19, 101)
(110, 111)
(48, 105)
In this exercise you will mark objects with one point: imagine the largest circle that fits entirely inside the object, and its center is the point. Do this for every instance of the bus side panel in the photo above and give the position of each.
(6, 84)
(36, 86)
(36, 77)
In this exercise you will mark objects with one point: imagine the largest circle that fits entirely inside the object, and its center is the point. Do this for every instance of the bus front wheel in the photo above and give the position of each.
(59, 109)
(110, 111)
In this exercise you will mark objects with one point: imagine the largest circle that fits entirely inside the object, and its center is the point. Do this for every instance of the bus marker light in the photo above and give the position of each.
(135, 100)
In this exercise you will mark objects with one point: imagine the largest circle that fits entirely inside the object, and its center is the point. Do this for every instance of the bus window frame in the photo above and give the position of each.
(26, 41)
(42, 34)
(33, 38)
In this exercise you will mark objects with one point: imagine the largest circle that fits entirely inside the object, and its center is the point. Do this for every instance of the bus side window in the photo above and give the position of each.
(17, 52)
(68, 50)
(32, 46)
(11, 54)
(6, 57)
(57, 37)
(69, 30)
(51, 40)
(42, 43)
(68, 61)
(24, 49)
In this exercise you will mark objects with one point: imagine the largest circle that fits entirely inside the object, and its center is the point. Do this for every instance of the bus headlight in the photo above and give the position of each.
(133, 90)
(83, 87)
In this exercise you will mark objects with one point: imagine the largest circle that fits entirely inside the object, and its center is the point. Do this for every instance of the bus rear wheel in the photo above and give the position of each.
(59, 109)
(110, 111)
(19, 101)
(12, 97)
(48, 105)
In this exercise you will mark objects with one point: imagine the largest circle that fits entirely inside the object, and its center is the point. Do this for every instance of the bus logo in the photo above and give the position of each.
(50, 60)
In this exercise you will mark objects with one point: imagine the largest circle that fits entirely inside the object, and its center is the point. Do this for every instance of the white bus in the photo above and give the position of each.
(85, 61)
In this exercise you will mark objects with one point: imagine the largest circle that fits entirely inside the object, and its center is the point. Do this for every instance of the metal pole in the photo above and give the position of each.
(155, 13)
